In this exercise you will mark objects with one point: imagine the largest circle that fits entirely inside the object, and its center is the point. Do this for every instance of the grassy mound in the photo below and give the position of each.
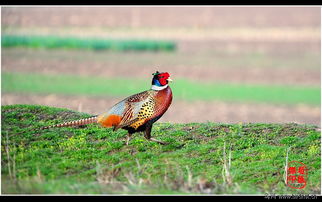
(50, 42)
(201, 158)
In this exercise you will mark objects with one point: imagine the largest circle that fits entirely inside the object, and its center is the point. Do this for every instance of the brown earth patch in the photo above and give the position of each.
(150, 16)
(177, 23)
(204, 67)
(184, 112)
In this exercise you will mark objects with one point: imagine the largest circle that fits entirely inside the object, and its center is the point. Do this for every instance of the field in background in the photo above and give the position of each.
(254, 46)
(69, 43)
(183, 89)
(239, 46)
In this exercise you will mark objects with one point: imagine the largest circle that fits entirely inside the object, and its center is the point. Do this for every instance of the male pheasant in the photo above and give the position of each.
(136, 113)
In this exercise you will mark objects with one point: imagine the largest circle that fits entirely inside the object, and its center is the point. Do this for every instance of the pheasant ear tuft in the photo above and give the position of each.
(156, 73)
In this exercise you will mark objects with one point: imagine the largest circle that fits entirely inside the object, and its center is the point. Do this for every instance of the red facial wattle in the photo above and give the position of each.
(163, 78)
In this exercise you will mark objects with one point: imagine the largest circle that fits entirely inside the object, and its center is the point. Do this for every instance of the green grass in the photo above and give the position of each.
(52, 42)
(95, 160)
(182, 89)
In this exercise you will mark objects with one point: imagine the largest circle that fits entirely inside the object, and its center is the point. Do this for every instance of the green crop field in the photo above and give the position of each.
(52, 42)
(183, 89)
(200, 157)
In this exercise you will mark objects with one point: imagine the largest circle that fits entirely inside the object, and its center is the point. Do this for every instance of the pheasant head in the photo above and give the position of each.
(160, 80)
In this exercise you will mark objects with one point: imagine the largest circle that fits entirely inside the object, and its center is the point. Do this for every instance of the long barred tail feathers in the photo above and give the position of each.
(74, 123)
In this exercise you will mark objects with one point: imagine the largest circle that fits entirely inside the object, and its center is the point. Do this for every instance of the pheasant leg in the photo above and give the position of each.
(128, 138)
(158, 141)
(147, 135)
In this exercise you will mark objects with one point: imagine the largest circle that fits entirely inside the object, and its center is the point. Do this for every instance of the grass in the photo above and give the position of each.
(201, 158)
(52, 42)
(183, 89)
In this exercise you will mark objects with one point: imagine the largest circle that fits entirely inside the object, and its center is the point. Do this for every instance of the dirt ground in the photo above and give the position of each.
(148, 16)
(205, 68)
(181, 111)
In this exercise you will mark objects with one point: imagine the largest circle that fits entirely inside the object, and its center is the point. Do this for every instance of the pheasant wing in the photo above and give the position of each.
(137, 108)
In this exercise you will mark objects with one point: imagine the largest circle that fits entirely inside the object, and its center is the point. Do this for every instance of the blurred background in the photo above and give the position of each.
(229, 64)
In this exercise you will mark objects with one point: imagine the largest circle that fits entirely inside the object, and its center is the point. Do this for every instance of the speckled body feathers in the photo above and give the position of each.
(137, 110)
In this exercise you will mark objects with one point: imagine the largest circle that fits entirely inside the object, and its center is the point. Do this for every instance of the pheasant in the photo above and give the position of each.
(136, 113)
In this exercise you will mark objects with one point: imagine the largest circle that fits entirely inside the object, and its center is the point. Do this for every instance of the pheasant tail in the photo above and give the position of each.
(74, 123)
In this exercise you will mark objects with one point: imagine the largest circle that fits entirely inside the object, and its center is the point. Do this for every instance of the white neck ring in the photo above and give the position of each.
(154, 87)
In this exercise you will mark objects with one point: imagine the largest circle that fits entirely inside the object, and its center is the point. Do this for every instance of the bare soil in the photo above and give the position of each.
(205, 67)
(199, 17)
(183, 112)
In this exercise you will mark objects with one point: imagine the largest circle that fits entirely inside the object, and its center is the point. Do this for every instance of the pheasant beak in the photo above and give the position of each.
(169, 79)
